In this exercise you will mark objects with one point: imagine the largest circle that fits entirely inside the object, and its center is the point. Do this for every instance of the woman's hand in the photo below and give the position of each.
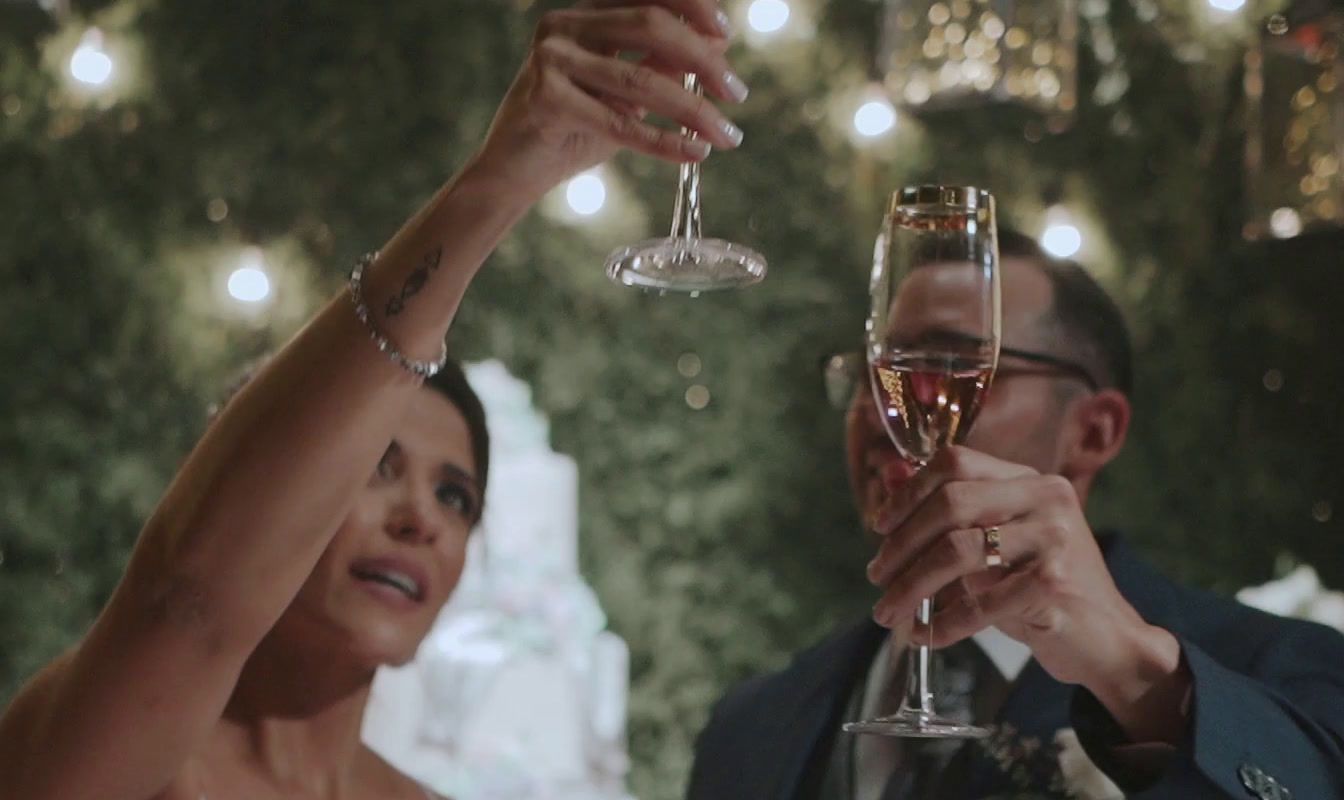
(576, 101)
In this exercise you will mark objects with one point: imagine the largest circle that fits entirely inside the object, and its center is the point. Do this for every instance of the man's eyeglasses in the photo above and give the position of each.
(843, 373)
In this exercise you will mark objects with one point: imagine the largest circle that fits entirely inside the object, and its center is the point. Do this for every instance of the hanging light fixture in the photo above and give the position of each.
(959, 53)
(1294, 155)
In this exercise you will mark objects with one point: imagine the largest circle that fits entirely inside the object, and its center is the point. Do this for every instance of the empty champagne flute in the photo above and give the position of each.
(683, 261)
(932, 343)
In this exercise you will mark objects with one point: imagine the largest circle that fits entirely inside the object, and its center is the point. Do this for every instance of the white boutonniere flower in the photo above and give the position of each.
(1083, 780)
(1298, 594)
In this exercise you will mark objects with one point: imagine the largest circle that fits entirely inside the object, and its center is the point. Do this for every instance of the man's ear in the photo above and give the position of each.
(1102, 421)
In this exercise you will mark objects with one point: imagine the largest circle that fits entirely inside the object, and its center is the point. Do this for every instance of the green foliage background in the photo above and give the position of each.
(719, 540)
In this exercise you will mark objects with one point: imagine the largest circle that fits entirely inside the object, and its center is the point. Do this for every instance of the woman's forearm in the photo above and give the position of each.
(258, 499)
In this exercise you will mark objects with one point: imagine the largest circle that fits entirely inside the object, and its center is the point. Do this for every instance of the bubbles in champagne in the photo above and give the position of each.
(929, 400)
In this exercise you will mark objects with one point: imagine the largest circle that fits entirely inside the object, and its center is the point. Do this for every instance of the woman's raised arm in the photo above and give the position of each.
(255, 504)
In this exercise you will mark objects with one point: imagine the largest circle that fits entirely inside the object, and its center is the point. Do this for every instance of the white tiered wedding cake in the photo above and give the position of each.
(519, 692)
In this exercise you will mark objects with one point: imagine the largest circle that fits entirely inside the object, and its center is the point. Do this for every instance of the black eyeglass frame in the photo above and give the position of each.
(1064, 365)
(853, 363)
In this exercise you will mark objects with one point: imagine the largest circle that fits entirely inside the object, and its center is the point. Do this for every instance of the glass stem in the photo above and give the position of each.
(686, 212)
(918, 692)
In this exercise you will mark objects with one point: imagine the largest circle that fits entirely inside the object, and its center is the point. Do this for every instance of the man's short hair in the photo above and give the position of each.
(1086, 323)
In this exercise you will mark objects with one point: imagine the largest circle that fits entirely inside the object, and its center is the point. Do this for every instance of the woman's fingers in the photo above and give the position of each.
(653, 31)
(640, 86)
(627, 130)
(706, 16)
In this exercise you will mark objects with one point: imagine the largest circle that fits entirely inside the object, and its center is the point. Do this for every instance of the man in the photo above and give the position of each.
(1175, 694)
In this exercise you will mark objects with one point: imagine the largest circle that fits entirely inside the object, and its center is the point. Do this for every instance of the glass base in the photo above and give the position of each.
(910, 724)
(686, 265)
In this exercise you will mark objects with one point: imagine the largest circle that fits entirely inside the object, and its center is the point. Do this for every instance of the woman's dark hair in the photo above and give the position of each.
(451, 382)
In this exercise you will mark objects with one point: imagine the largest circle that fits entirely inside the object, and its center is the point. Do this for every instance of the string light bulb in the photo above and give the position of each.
(89, 64)
(1061, 237)
(874, 118)
(586, 194)
(249, 283)
(768, 16)
(1285, 223)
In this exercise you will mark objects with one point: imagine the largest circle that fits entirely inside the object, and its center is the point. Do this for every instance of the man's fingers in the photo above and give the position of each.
(961, 554)
(968, 613)
(952, 506)
(950, 464)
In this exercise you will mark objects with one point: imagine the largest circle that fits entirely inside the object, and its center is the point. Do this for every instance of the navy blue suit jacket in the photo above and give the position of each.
(1268, 696)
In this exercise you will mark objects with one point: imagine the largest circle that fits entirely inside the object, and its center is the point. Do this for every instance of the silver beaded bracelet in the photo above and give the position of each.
(421, 369)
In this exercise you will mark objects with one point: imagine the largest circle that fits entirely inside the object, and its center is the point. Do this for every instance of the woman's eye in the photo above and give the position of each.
(457, 498)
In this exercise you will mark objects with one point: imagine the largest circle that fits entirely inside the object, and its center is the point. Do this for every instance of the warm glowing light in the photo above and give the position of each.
(1061, 238)
(89, 64)
(767, 16)
(249, 283)
(1285, 223)
(874, 118)
(586, 194)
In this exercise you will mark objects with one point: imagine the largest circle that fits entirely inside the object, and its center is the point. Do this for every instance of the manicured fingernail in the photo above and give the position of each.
(872, 570)
(731, 131)
(725, 24)
(736, 87)
(698, 148)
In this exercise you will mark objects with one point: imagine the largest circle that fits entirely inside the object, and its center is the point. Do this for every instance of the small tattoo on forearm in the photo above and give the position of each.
(414, 283)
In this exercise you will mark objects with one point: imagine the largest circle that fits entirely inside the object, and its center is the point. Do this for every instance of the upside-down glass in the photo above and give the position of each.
(932, 346)
(685, 262)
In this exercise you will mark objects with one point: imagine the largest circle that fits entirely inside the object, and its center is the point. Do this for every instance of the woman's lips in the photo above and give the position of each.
(394, 579)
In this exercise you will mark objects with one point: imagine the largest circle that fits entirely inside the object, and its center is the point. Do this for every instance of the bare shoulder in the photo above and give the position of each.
(33, 717)
(24, 722)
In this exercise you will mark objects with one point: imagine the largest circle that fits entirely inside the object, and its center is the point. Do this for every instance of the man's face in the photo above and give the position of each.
(1020, 418)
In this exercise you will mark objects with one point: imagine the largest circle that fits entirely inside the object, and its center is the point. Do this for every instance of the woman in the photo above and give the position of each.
(297, 550)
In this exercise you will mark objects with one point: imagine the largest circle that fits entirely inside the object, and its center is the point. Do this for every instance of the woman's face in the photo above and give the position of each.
(399, 553)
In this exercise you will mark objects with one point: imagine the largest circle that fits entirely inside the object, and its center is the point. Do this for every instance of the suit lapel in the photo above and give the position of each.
(821, 684)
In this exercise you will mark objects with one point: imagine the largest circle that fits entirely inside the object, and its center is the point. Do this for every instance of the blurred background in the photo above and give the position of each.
(182, 183)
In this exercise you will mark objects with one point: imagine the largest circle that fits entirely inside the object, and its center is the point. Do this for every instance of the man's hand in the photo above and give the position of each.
(1054, 592)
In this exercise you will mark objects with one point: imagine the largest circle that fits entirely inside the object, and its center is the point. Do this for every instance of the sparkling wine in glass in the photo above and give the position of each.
(684, 261)
(933, 338)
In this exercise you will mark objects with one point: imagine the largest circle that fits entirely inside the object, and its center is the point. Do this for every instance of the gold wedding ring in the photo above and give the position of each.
(993, 556)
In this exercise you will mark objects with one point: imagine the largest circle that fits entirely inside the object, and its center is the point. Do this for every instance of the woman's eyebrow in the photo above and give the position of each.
(451, 470)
